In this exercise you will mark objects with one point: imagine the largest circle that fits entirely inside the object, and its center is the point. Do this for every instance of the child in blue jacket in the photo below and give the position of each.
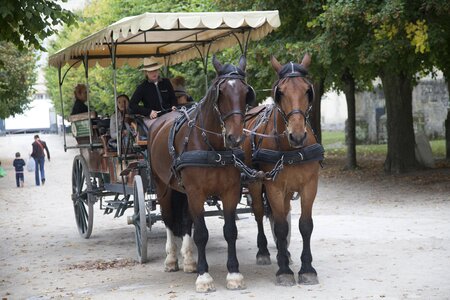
(18, 164)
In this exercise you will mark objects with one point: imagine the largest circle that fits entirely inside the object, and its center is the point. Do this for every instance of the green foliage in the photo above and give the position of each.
(26, 23)
(17, 77)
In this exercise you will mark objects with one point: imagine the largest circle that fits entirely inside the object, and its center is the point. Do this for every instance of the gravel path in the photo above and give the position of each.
(375, 236)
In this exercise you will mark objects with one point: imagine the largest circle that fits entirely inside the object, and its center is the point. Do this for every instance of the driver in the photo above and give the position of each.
(155, 93)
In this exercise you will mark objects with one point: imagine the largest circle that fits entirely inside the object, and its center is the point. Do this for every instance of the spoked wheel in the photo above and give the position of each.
(83, 200)
(139, 219)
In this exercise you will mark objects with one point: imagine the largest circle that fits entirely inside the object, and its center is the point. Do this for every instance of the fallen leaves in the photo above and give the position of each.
(103, 264)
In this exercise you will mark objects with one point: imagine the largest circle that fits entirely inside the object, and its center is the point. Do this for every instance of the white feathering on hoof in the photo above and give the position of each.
(204, 283)
(235, 281)
(189, 263)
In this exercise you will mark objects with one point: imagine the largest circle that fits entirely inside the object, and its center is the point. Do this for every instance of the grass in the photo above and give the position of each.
(334, 144)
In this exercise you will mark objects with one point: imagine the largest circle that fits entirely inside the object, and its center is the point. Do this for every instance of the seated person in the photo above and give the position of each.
(183, 98)
(122, 104)
(79, 105)
(155, 93)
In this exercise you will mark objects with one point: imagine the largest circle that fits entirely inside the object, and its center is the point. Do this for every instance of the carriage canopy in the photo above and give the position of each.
(174, 37)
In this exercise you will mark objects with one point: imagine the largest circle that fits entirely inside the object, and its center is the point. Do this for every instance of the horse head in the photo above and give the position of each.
(293, 96)
(232, 95)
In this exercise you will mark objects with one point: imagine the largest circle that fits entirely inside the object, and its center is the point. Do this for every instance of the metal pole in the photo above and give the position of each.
(62, 106)
(86, 75)
(119, 134)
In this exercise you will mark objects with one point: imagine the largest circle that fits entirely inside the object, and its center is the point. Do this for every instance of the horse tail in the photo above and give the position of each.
(182, 222)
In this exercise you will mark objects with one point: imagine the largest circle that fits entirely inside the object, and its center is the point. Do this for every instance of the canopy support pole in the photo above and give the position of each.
(60, 82)
(113, 50)
(86, 75)
(204, 59)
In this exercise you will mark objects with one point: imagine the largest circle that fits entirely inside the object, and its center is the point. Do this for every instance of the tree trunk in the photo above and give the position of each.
(401, 141)
(315, 113)
(350, 129)
(447, 123)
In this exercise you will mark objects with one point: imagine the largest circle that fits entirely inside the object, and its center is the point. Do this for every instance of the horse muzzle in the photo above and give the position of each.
(233, 141)
(297, 140)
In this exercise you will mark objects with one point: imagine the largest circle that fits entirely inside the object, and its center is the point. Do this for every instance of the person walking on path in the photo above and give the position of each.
(39, 157)
(18, 164)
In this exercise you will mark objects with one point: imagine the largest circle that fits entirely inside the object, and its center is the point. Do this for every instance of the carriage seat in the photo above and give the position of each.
(136, 125)
(103, 126)
(108, 151)
(82, 125)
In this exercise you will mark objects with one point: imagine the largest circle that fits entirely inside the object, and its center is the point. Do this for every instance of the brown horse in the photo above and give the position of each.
(195, 154)
(282, 144)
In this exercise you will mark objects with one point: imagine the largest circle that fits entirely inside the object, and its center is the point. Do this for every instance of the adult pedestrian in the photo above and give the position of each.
(39, 157)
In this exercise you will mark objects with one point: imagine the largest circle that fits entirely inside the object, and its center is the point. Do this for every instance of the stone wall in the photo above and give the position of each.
(430, 105)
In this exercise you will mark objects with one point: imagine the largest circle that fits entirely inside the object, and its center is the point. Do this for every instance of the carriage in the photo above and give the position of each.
(120, 179)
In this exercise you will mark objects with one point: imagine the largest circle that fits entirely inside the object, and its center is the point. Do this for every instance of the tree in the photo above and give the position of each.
(17, 77)
(27, 23)
(438, 20)
(339, 32)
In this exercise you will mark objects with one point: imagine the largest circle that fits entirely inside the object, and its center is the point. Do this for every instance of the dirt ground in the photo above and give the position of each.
(375, 236)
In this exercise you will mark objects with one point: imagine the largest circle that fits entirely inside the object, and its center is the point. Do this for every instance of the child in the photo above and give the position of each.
(18, 165)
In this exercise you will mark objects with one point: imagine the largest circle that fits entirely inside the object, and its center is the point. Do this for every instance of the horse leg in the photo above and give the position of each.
(285, 276)
(263, 255)
(307, 274)
(171, 262)
(288, 239)
(182, 227)
(235, 280)
(204, 282)
(164, 199)
(187, 251)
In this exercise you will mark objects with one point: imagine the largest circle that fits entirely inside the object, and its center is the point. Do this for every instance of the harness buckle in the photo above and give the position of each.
(219, 159)
(301, 155)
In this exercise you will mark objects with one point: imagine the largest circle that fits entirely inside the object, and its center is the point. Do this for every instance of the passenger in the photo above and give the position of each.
(79, 105)
(122, 105)
(183, 98)
(155, 93)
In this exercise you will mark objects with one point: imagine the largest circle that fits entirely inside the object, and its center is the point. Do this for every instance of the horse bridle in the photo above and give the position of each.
(310, 90)
(223, 78)
(223, 118)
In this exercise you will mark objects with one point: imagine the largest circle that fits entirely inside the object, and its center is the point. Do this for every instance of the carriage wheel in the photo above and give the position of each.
(83, 200)
(140, 219)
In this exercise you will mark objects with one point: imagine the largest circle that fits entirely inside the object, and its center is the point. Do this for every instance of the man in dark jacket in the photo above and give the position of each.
(79, 105)
(39, 157)
(155, 93)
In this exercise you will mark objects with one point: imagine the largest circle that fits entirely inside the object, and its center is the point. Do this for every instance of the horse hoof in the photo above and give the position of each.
(286, 280)
(190, 267)
(204, 284)
(308, 279)
(171, 266)
(235, 281)
(263, 260)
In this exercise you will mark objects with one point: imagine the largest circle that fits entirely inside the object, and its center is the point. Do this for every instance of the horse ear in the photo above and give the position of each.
(275, 64)
(217, 65)
(242, 63)
(306, 61)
